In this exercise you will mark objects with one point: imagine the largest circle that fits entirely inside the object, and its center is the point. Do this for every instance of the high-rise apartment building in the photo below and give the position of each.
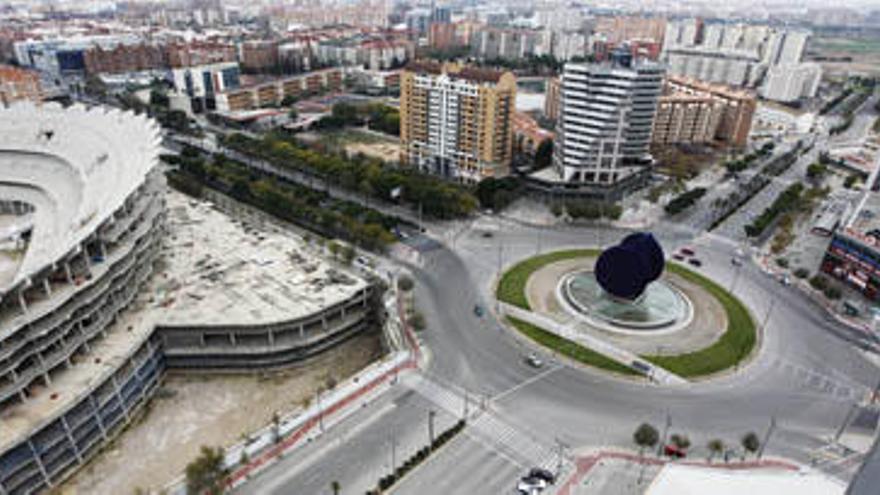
(551, 98)
(455, 121)
(732, 54)
(604, 130)
(791, 82)
(686, 119)
(736, 107)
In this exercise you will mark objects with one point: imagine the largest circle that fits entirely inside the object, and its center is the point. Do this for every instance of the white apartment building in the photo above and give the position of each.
(604, 130)
(791, 82)
(732, 54)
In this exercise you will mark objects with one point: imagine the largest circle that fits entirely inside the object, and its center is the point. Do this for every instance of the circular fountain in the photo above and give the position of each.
(624, 292)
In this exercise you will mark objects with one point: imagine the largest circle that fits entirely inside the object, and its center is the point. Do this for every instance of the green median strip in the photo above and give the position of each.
(734, 345)
(570, 349)
(512, 286)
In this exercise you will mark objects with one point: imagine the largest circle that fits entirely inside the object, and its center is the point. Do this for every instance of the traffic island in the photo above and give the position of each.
(717, 335)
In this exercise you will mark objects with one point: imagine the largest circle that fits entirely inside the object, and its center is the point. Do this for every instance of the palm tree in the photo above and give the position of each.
(716, 446)
(751, 443)
(335, 486)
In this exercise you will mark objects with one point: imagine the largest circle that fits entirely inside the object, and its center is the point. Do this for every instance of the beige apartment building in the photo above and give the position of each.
(735, 107)
(19, 84)
(456, 121)
(686, 119)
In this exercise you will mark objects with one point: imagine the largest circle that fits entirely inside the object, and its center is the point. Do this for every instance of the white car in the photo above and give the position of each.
(531, 485)
(534, 361)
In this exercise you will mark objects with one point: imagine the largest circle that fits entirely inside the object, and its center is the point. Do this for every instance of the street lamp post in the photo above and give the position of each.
(767, 436)
(431, 415)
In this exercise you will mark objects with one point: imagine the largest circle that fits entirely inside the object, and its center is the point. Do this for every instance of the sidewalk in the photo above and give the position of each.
(586, 463)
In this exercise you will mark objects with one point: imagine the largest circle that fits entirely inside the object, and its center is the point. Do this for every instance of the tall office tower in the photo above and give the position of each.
(604, 130)
(455, 121)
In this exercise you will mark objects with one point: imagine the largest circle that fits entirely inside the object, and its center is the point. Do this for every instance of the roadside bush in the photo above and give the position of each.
(782, 262)
(788, 200)
(684, 201)
(802, 273)
(832, 293)
(819, 282)
(405, 283)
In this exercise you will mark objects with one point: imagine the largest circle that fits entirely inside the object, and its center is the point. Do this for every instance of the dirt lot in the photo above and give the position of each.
(194, 410)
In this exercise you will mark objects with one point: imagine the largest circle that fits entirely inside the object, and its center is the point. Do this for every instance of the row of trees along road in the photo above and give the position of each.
(436, 197)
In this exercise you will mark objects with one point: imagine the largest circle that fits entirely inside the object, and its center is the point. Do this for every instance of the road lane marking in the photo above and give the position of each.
(497, 397)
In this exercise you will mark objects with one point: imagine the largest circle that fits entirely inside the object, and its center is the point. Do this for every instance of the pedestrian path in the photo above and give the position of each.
(486, 425)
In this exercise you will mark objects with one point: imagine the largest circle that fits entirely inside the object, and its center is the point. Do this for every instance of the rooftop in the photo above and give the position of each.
(214, 270)
(682, 479)
(76, 166)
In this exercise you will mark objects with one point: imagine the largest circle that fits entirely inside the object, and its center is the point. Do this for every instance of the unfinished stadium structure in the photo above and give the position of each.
(85, 338)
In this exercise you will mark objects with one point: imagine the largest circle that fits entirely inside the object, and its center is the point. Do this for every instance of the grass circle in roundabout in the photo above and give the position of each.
(735, 344)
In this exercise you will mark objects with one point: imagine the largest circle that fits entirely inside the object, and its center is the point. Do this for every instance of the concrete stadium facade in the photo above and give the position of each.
(90, 185)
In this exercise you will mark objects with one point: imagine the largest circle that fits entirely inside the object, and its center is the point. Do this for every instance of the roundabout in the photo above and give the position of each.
(681, 322)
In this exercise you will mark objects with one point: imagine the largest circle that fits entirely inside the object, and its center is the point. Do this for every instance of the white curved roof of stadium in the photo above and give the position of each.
(76, 179)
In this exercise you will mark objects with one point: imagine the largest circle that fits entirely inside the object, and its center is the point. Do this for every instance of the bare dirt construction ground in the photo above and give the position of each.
(194, 410)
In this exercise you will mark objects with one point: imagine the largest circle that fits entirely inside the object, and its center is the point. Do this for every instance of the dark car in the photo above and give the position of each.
(695, 262)
(543, 474)
(686, 251)
(478, 310)
(674, 452)
(487, 234)
(677, 257)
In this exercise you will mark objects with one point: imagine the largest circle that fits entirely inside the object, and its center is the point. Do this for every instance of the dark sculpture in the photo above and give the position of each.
(626, 269)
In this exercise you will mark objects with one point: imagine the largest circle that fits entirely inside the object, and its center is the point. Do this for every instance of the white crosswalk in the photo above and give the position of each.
(487, 426)
(837, 387)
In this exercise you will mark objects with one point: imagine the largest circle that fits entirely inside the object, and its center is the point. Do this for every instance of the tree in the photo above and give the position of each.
(207, 474)
(750, 442)
(159, 98)
(716, 447)
(405, 283)
(292, 114)
(418, 322)
(646, 436)
(334, 248)
(682, 442)
(544, 154)
(347, 253)
(335, 486)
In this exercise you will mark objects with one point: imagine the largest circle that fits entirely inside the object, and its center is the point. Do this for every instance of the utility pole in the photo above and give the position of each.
(320, 412)
(560, 455)
(767, 436)
(665, 432)
(431, 415)
(393, 442)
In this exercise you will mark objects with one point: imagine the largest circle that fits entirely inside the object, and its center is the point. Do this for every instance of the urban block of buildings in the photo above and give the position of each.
(90, 321)
(753, 56)
(456, 121)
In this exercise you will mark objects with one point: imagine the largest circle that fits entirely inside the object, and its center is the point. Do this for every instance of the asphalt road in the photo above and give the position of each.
(807, 375)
